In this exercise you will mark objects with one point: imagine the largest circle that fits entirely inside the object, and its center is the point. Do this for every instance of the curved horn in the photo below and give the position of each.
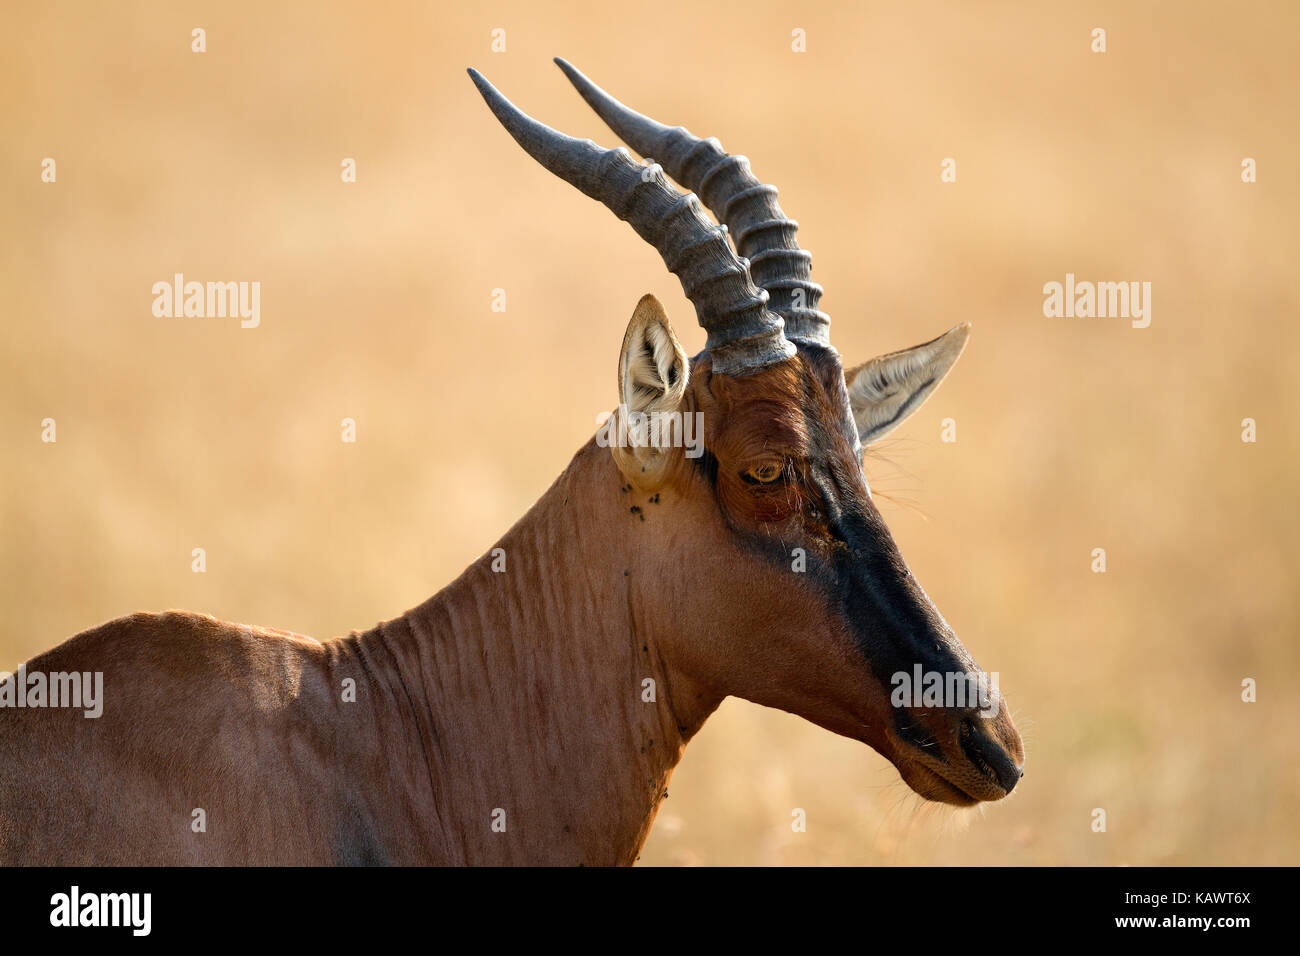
(763, 233)
(743, 334)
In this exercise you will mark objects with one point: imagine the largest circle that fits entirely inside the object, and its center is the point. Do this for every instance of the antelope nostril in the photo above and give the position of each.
(989, 757)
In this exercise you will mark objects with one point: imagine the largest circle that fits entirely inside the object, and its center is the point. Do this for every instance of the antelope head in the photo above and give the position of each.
(769, 572)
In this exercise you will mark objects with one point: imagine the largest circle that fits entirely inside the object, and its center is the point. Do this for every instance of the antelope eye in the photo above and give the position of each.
(763, 474)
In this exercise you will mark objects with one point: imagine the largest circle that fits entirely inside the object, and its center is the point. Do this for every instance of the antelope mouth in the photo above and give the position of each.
(974, 761)
(935, 786)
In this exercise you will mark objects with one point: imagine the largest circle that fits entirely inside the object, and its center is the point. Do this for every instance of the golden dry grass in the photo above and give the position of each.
(1072, 434)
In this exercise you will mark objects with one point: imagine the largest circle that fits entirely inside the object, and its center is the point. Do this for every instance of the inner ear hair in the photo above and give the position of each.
(653, 373)
(652, 368)
(886, 390)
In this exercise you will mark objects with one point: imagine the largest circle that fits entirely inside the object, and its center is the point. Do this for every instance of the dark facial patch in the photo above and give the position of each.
(851, 557)
(891, 618)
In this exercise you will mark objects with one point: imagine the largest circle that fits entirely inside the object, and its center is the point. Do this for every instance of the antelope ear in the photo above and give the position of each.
(886, 390)
(652, 375)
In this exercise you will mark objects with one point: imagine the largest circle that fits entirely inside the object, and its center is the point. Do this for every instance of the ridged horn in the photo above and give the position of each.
(764, 235)
(743, 334)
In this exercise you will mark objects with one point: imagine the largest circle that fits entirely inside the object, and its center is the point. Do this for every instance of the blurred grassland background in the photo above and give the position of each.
(1072, 433)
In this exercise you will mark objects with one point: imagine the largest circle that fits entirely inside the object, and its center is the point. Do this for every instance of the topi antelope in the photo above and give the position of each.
(505, 720)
